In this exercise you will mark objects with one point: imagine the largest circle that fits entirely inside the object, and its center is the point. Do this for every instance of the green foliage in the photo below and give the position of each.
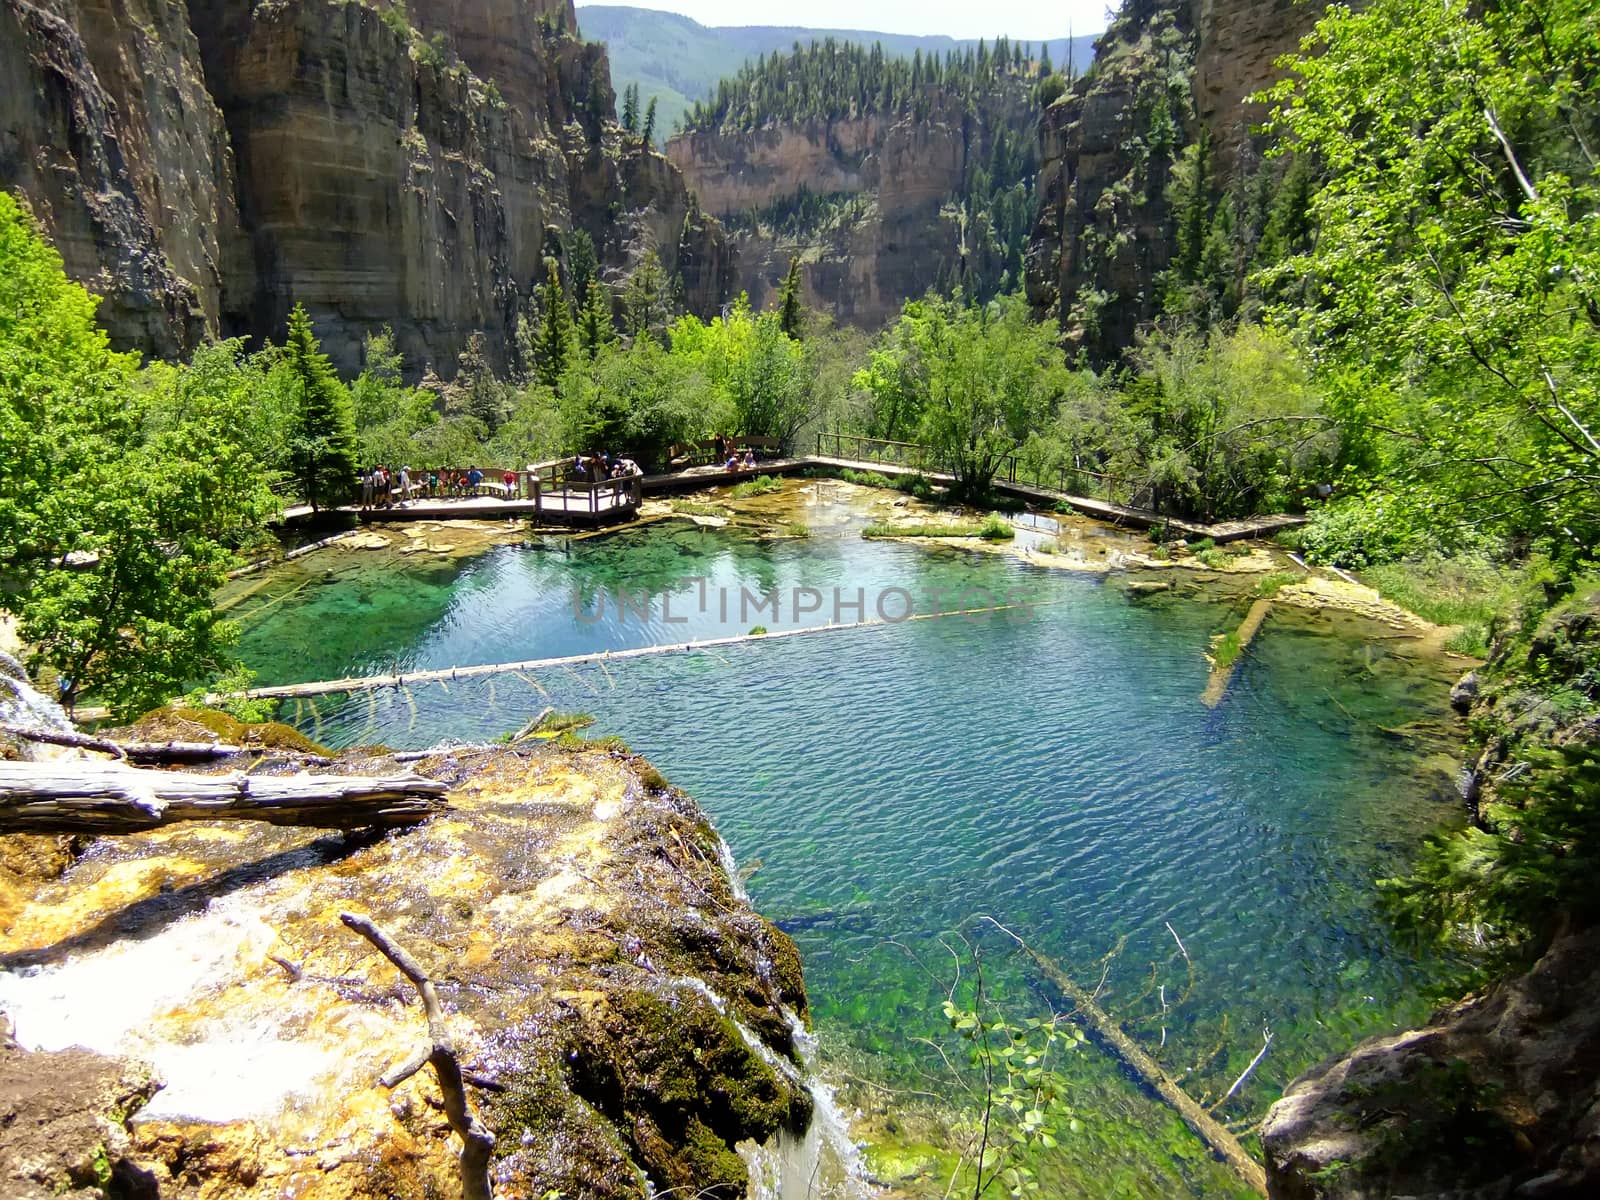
(995, 528)
(1017, 1096)
(1271, 584)
(873, 479)
(645, 300)
(1360, 531)
(143, 478)
(791, 317)
(979, 381)
(1456, 256)
(322, 441)
(595, 329)
(761, 485)
(557, 336)
(1509, 884)
(1226, 651)
(759, 381)
(230, 693)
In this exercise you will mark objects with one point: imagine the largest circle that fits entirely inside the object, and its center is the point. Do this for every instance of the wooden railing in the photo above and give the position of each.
(544, 482)
(1013, 468)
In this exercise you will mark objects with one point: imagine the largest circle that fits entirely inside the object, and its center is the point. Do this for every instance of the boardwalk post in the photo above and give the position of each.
(538, 499)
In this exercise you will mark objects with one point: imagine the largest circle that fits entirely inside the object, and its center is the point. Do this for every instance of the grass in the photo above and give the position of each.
(1227, 651)
(794, 529)
(873, 479)
(993, 528)
(996, 528)
(695, 508)
(761, 485)
(890, 529)
(1269, 586)
(1212, 557)
(1469, 592)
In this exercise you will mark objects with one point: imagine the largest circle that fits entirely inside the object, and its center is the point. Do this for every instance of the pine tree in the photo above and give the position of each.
(791, 317)
(477, 391)
(630, 108)
(644, 299)
(649, 135)
(581, 261)
(323, 440)
(555, 341)
(595, 328)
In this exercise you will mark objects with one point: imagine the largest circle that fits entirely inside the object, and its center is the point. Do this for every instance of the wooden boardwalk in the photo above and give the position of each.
(602, 504)
(1100, 510)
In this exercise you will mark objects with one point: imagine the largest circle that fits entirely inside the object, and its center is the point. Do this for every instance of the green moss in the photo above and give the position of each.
(230, 729)
(717, 1169)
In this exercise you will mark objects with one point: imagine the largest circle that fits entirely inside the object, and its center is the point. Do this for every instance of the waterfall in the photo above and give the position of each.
(25, 707)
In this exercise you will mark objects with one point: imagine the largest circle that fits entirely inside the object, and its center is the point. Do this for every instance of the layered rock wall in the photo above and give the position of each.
(904, 171)
(382, 166)
(1104, 231)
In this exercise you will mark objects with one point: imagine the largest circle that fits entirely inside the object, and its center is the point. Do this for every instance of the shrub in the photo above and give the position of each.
(996, 528)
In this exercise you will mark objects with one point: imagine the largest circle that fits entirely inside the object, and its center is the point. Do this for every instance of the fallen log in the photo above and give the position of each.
(477, 1143)
(87, 796)
(137, 751)
(1206, 1127)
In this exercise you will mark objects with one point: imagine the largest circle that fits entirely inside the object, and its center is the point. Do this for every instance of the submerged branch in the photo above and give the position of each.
(1202, 1123)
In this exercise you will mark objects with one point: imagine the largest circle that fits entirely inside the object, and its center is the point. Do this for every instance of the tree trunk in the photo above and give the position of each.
(99, 797)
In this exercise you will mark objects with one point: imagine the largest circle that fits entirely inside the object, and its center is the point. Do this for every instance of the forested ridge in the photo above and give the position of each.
(831, 80)
(1398, 310)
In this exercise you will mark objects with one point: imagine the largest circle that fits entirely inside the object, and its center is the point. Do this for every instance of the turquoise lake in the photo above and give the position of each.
(1050, 766)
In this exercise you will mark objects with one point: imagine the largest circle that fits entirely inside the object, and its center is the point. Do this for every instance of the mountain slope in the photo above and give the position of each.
(679, 61)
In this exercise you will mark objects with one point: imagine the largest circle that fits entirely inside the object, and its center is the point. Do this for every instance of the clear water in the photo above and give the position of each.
(1052, 768)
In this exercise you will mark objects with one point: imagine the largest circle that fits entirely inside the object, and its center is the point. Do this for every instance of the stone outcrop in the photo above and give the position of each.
(207, 166)
(625, 1020)
(1164, 70)
(1496, 1097)
(891, 180)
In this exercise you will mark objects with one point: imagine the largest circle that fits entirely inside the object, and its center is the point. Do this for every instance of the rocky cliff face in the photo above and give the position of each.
(206, 167)
(1164, 70)
(882, 224)
(1496, 1097)
(627, 1024)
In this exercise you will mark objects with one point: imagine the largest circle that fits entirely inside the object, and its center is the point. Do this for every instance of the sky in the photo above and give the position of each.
(1019, 19)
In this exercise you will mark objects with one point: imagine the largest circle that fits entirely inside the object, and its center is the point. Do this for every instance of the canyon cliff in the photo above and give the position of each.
(1166, 74)
(878, 204)
(206, 166)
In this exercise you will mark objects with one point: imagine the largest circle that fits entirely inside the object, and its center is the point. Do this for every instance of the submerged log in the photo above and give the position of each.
(1206, 1127)
(100, 797)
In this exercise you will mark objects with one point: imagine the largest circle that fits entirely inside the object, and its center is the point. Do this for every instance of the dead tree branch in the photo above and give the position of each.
(477, 1143)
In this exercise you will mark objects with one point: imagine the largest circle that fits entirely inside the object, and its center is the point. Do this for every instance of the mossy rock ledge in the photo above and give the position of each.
(625, 1019)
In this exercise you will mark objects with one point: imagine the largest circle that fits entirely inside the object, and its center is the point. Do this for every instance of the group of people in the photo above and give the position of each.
(600, 466)
(725, 451)
(383, 488)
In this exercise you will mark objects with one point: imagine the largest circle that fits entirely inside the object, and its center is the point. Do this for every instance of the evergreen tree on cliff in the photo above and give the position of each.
(595, 328)
(791, 317)
(650, 122)
(555, 340)
(323, 443)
